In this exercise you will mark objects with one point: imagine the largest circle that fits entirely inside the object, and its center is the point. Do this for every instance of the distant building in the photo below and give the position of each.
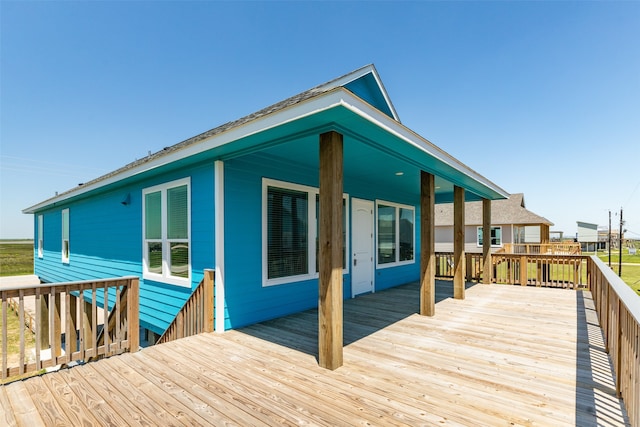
(587, 236)
(511, 223)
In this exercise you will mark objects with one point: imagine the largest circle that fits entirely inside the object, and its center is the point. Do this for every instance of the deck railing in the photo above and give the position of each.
(77, 340)
(541, 248)
(618, 310)
(196, 315)
(566, 271)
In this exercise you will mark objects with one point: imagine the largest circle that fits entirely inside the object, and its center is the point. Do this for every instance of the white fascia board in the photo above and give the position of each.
(360, 107)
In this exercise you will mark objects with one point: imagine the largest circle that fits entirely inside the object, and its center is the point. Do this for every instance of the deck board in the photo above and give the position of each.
(506, 355)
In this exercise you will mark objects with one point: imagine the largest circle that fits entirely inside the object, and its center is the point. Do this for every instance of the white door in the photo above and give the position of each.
(362, 246)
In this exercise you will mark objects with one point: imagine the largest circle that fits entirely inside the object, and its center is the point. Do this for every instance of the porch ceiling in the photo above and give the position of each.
(372, 154)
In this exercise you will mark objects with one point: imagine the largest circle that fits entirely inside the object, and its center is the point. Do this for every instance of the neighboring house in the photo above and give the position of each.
(587, 236)
(604, 236)
(511, 223)
(243, 198)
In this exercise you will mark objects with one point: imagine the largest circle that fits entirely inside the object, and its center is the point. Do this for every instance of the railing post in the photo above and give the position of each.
(42, 307)
(618, 355)
(87, 327)
(55, 329)
(523, 270)
(133, 314)
(71, 336)
(209, 290)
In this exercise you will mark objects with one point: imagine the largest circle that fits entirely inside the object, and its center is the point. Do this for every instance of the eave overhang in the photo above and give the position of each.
(337, 109)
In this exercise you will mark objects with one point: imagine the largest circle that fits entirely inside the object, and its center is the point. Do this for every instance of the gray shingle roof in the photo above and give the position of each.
(506, 211)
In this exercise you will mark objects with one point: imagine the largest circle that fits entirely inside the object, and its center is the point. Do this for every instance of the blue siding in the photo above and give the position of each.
(106, 241)
(247, 301)
(367, 88)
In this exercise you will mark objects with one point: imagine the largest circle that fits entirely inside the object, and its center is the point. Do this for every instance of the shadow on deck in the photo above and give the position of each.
(363, 316)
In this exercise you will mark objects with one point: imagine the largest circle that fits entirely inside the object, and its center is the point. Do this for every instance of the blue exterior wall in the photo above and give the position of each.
(247, 301)
(105, 240)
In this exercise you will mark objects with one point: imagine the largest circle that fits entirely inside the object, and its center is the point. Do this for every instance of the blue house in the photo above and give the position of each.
(243, 199)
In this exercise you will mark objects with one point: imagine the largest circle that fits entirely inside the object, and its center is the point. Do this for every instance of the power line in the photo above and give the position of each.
(632, 193)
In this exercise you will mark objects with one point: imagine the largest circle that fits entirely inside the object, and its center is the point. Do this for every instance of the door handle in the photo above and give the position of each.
(355, 262)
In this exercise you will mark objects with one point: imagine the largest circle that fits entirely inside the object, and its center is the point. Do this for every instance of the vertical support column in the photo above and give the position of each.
(219, 298)
(427, 245)
(330, 327)
(458, 243)
(486, 242)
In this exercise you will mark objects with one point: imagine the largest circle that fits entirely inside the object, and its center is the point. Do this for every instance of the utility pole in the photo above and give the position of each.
(620, 245)
(609, 238)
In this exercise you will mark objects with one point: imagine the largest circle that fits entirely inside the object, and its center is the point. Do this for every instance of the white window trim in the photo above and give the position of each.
(65, 259)
(166, 277)
(397, 206)
(40, 236)
(311, 232)
(492, 227)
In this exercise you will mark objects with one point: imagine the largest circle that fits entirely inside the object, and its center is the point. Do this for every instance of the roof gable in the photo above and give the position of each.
(366, 84)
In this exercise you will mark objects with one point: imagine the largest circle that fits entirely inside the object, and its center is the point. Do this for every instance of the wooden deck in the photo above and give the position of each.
(507, 355)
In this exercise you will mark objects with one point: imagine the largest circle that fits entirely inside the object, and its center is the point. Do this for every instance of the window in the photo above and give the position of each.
(65, 236)
(496, 236)
(290, 232)
(166, 229)
(288, 240)
(40, 236)
(396, 234)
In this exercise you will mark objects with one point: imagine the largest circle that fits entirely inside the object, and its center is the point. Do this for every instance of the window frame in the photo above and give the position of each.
(65, 250)
(40, 243)
(397, 207)
(312, 232)
(493, 227)
(165, 241)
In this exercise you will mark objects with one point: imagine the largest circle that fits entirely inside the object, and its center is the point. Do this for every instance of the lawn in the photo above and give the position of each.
(630, 275)
(16, 259)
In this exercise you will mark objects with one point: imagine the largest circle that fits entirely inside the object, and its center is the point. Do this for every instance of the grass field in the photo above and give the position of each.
(16, 259)
(630, 266)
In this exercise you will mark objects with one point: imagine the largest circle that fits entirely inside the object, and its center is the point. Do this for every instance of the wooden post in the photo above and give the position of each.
(523, 270)
(209, 286)
(458, 243)
(330, 316)
(133, 314)
(618, 365)
(42, 307)
(486, 242)
(71, 335)
(427, 245)
(88, 342)
(55, 329)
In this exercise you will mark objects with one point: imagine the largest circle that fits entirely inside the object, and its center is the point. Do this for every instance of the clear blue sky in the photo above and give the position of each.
(540, 97)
